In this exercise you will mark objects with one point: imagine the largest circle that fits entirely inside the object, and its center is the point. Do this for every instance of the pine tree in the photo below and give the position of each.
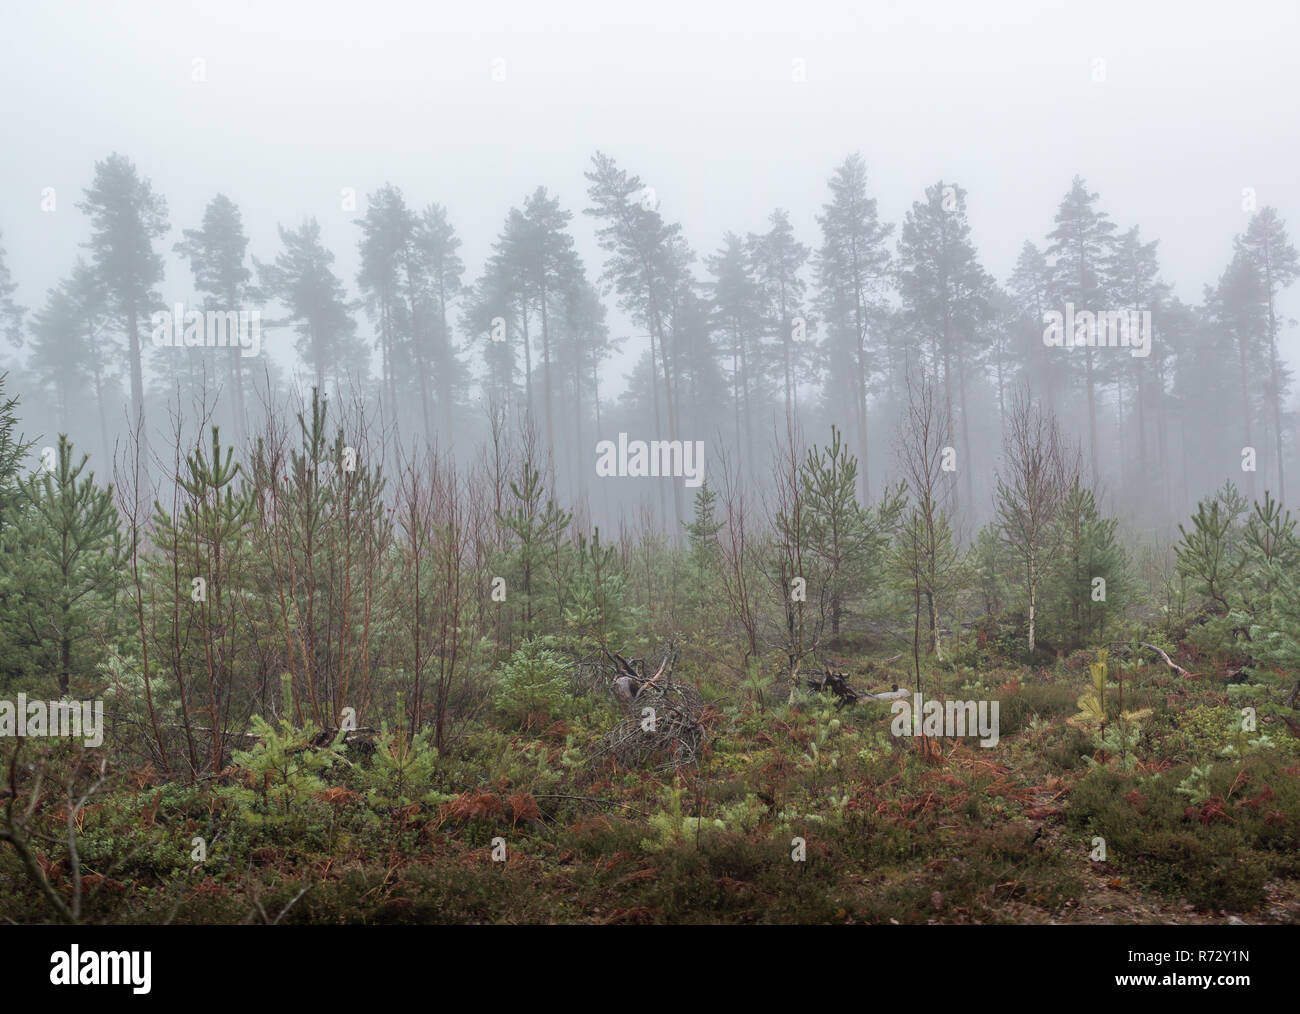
(596, 611)
(847, 541)
(1202, 373)
(738, 316)
(15, 660)
(1208, 554)
(646, 259)
(217, 251)
(1136, 285)
(1237, 311)
(778, 258)
(388, 283)
(581, 344)
(66, 555)
(13, 449)
(541, 255)
(324, 533)
(1087, 549)
(1270, 552)
(11, 314)
(61, 353)
(1030, 290)
(436, 243)
(1081, 253)
(1273, 559)
(204, 549)
(302, 280)
(852, 268)
(946, 295)
(1005, 335)
(703, 553)
(1276, 266)
(990, 563)
(126, 217)
(702, 531)
(285, 767)
(495, 312)
(700, 379)
(537, 525)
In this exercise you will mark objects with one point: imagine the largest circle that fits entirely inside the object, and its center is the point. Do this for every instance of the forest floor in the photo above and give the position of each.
(793, 812)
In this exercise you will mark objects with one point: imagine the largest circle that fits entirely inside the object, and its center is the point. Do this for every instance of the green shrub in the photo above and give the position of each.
(1213, 834)
(533, 681)
(399, 772)
(284, 770)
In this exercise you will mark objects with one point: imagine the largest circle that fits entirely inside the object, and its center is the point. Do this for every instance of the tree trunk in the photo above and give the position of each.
(1033, 601)
(546, 383)
(1245, 403)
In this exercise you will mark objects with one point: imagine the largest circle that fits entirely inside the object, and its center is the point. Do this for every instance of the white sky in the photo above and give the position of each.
(305, 98)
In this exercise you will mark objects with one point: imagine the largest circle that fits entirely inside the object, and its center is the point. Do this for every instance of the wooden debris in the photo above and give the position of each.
(1168, 661)
(838, 684)
(663, 721)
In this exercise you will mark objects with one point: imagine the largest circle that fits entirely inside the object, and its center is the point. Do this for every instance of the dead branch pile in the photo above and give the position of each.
(662, 727)
(838, 684)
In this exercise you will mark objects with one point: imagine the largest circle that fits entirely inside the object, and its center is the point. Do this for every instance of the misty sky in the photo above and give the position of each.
(303, 99)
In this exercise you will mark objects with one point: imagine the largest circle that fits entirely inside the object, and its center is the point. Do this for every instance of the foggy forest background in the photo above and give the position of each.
(374, 633)
(789, 328)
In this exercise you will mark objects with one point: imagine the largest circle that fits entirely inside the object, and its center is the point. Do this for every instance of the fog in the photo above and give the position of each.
(1170, 113)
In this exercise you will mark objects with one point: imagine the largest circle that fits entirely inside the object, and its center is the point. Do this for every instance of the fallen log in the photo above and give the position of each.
(838, 684)
(890, 695)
